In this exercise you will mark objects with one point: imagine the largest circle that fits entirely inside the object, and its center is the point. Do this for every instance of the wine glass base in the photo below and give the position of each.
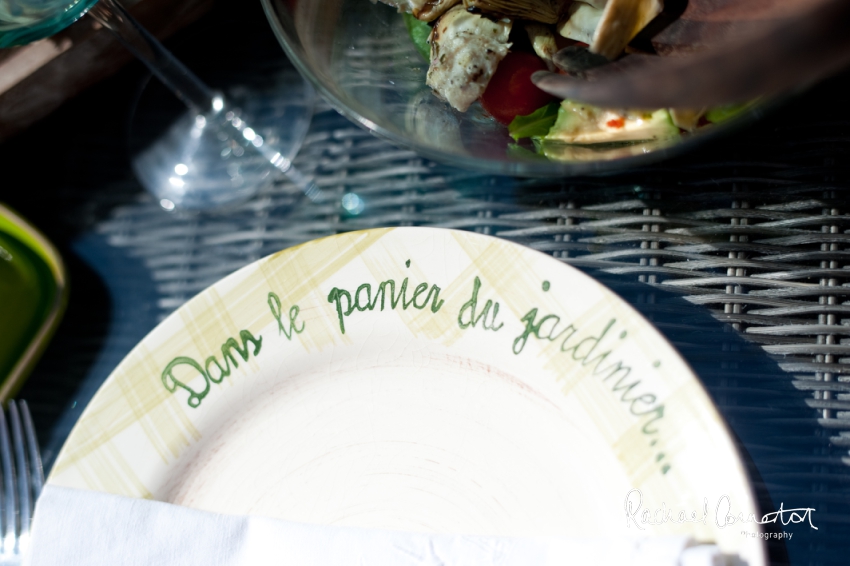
(188, 162)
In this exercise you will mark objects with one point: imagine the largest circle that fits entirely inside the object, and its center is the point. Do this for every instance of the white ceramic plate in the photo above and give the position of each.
(532, 406)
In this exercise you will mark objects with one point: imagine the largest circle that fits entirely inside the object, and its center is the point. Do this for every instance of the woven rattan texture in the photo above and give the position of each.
(735, 252)
(758, 244)
(763, 249)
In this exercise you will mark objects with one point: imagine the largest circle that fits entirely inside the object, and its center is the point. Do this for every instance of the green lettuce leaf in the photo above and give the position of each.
(723, 113)
(536, 124)
(519, 152)
(419, 32)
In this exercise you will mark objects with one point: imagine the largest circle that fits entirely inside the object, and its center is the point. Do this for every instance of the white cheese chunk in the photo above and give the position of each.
(621, 21)
(607, 26)
(581, 22)
(465, 50)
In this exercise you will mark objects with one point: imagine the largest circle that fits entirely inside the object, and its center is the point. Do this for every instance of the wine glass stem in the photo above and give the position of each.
(189, 88)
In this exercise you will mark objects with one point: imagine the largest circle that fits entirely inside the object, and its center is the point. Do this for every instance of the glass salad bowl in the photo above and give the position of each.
(360, 56)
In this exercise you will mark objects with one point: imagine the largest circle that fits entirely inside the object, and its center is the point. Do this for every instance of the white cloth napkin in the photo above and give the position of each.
(75, 527)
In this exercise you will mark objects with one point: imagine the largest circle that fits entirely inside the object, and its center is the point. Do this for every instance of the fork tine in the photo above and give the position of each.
(34, 453)
(22, 475)
(9, 503)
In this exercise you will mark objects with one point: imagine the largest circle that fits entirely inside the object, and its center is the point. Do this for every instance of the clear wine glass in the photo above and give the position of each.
(213, 156)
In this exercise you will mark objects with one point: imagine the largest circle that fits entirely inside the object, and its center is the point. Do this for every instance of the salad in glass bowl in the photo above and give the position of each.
(450, 80)
(488, 50)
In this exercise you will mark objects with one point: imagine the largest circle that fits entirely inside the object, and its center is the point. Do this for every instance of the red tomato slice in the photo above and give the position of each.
(510, 92)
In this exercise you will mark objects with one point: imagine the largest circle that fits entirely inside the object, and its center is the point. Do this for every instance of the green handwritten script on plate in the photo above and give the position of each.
(363, 300)
(197, 379)
(206, 371)
(578, 348)
(27, 295)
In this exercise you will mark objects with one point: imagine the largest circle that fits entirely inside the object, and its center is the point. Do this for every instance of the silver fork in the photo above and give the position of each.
(22, 479)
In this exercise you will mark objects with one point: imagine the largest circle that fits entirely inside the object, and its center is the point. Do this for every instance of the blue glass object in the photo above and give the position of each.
(24, 21)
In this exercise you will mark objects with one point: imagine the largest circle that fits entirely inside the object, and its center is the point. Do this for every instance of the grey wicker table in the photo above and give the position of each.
(738, 253)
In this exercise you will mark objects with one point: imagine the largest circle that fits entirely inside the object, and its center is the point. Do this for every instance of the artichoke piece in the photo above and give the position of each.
(545, 11)
(621, 21)
(583, 124)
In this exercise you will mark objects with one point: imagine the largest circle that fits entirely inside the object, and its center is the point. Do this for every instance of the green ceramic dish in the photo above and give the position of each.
(33, 294)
